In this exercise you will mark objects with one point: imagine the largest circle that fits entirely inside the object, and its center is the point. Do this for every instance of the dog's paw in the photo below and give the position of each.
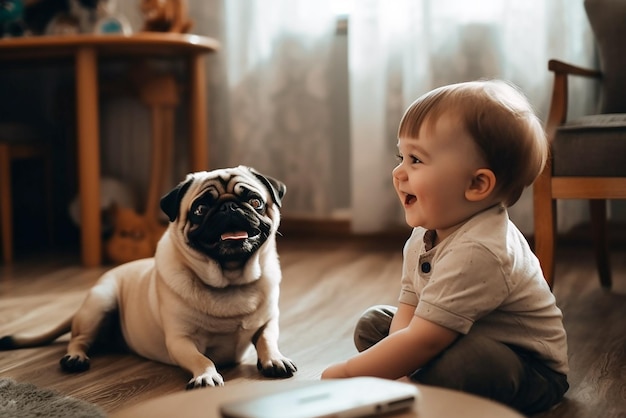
(277, 367)
(7, 343)
(207, 379)
(75, 363)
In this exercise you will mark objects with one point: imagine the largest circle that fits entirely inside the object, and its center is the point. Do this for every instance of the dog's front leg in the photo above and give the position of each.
(270, 361)
(184, 352)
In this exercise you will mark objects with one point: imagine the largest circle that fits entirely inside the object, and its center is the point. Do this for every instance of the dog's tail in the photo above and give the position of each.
(11, 342)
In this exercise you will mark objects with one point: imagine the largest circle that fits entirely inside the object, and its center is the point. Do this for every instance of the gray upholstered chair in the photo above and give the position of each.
(588, 159)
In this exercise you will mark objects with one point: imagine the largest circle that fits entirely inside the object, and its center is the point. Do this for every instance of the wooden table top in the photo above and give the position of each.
(204, 403)
(141, 43)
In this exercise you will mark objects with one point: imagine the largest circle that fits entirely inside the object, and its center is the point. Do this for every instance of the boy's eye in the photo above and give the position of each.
(413, 159)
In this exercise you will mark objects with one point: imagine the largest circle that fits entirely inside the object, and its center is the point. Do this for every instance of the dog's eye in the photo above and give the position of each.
(201, 210)
(256, 203)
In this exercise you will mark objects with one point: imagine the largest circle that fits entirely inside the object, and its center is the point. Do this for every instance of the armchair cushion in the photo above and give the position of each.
(593, 145)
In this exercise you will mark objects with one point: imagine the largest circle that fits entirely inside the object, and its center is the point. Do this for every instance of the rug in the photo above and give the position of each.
(25, 400)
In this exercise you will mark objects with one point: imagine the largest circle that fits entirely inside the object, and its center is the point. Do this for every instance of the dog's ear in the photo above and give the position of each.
(170, 203)
(276, 187)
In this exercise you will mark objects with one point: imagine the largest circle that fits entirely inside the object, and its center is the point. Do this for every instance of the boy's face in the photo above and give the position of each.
(435, 171)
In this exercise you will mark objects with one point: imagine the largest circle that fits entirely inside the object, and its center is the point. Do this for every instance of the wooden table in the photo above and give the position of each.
(86, 50)
(204, 403)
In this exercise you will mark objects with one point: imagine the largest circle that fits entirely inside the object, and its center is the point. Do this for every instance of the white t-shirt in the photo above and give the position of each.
(485, 279)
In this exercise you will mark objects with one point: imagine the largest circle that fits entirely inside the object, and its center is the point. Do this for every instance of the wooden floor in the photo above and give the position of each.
(326, 285)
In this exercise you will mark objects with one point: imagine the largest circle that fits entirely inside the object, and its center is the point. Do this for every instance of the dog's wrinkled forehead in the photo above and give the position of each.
(224, 183)
(238, 182)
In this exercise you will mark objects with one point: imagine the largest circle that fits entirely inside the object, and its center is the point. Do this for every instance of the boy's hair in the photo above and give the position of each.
(500, 120)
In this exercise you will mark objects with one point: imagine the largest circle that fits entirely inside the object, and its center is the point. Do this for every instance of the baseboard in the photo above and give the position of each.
(581, 234)
(307, 228)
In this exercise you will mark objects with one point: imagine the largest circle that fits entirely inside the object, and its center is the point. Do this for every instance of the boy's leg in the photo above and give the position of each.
(484, 367)
(373, 326)
(542, 388)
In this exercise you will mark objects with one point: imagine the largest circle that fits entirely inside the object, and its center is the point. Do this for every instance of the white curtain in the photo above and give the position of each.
(301, 101)
(269, 98)
(400, 49)
(278, 61)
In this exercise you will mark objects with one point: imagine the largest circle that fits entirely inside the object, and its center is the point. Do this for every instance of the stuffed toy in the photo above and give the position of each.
(165, 16)
(134, 236)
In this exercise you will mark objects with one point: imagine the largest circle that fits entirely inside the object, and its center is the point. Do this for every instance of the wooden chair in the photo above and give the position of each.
(588, 155)
(19, 141)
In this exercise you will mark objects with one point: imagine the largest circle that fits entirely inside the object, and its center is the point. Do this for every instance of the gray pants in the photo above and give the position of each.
(477, 365)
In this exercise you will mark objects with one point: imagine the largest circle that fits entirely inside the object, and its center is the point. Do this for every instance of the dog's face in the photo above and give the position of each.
(225, 214)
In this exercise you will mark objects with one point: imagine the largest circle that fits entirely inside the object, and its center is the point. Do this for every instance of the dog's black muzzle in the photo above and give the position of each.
(230, 232)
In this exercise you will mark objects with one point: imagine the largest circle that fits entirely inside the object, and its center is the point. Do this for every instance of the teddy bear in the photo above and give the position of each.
(165, 16)
(134, 236)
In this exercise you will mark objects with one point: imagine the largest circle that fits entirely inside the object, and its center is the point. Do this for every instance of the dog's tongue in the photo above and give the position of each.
(234, 235)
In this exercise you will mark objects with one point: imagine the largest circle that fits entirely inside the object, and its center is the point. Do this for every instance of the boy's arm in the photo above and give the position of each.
(402, 317)
(399, 354)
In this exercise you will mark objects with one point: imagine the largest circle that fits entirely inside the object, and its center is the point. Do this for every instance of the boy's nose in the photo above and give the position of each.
(398, 172)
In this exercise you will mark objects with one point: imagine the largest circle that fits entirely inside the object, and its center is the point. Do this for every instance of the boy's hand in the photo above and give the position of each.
(336, 371)
(399, 354)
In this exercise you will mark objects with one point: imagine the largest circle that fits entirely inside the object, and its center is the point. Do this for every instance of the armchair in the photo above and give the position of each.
(588, 155)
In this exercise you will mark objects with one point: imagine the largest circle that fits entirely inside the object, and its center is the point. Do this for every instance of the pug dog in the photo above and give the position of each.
(210, 291)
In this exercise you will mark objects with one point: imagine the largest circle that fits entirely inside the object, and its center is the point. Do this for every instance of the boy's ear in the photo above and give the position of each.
(483, 183)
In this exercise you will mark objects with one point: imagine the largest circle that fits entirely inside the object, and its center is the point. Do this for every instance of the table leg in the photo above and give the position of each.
(199, 139)
(88, 131)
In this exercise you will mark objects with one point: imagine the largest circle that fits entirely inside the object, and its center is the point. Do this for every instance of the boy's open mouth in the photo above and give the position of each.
(409, 199)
